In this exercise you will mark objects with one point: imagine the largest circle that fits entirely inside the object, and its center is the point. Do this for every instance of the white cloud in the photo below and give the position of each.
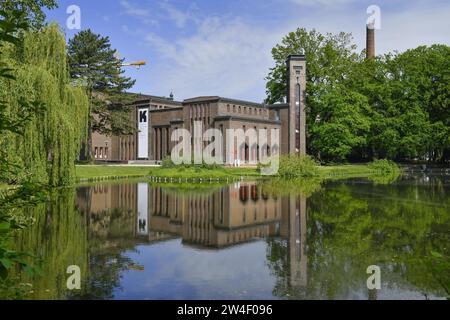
(178, 16)
(138, 12)
(133, 10)
(224, 57)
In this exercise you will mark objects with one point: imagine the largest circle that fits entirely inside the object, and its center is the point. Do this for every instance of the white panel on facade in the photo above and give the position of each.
(143, 122)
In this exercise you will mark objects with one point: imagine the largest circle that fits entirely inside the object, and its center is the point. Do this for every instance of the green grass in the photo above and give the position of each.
(193, 173)
(351, 170)
(373, 169)
(90, 173)
(97, 172)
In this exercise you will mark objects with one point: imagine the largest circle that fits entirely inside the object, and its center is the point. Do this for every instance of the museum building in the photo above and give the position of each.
(156, 118)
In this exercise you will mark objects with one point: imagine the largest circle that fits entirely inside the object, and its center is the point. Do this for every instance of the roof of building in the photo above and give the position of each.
(147, 97)
(221, 99)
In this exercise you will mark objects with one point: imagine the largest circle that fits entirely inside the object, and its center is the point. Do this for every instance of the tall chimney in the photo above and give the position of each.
(370, 42)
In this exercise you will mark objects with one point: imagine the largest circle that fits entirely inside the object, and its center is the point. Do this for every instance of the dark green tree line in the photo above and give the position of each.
(394, 107)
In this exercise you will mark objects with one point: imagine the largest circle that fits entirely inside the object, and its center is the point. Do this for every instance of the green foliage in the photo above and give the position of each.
(204, 172)
(384, 166)
(343, 125)
(42, 119)
(31, 9)
(50, 142)
(167, 163)
(12, 200)
(292, 167)
(394, 107)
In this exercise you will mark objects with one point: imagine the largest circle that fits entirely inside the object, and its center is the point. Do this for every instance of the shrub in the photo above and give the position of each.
(385, 167)
(168, 163)
(297, 167)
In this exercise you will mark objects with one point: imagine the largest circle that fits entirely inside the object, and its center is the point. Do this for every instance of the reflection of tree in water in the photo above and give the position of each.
(105, 271)
(57, 239)
(278, 262)
(402, 228)
(62, 236)
(111, 235)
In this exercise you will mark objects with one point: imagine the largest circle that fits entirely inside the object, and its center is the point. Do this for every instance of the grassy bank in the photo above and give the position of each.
(86, 173)
(193, 173)
(103, 172)
(351, 170)
(99, 173)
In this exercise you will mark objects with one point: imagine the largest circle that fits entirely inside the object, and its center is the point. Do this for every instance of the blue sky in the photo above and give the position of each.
(222, 47)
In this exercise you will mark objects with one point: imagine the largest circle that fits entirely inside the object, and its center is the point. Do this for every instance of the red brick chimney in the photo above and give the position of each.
(370, 42)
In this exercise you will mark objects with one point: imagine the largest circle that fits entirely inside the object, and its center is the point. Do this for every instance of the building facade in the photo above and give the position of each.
(157, 118)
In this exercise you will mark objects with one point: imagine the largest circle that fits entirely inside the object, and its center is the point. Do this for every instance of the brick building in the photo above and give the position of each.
(157, 117)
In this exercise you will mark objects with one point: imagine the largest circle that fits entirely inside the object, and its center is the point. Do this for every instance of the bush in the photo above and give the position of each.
(297, 167)
(168, 163)
(385, 167)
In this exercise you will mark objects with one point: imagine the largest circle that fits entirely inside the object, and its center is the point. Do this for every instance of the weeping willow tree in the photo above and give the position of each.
(51, 140)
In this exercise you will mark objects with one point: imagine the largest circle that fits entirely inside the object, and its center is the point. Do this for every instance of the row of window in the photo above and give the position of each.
(101, 153)
(247, 110)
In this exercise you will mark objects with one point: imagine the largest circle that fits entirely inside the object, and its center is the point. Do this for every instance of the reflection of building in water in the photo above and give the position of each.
(100, 198)
(224, 217)
(298, 258)
(142, 225)
(219, 218)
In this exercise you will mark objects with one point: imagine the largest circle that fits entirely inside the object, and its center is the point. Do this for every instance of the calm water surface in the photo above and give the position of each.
(245, 241)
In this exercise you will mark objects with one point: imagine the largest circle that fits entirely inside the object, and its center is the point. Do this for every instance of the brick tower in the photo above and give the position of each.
(296, 99)
(370, 41)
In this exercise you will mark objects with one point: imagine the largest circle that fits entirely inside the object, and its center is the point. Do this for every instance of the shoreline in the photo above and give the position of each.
(99, 173)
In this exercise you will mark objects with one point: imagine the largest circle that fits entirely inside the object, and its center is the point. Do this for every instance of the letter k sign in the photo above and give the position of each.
(143, 116)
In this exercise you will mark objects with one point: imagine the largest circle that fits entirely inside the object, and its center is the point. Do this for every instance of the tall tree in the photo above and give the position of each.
(94, 63)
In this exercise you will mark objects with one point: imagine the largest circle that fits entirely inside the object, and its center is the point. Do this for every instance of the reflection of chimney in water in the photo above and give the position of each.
(370, 42)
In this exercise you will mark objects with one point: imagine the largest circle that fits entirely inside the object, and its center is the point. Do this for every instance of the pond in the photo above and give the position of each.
(265, 240)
